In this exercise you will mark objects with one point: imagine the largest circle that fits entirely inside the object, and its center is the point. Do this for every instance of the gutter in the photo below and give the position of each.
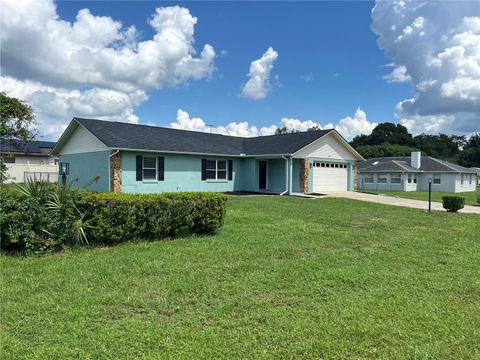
(286, 175)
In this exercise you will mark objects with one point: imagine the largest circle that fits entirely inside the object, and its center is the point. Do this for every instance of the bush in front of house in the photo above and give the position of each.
(40, 217)
(453, 203)
(116, 218)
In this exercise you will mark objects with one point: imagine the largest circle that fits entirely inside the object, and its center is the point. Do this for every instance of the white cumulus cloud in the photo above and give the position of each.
(258, 84)
(349, 127)
(93, 66)
(435, 45)
(185, 122)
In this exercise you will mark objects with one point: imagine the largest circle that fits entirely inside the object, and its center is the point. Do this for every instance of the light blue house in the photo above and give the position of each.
(122, 157)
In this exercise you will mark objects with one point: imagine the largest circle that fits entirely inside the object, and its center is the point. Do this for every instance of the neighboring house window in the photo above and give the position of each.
(368, 179)
(470, 179)
(412, 178)
(461, 179)
(9, 160)
(56, 161)
(382, 179)
(437, 179)
(63, 168)
(149, 168)
(395, 178)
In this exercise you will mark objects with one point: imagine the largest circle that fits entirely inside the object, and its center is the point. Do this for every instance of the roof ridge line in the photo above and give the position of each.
(444, 163)
(326, 131)
(402, 166)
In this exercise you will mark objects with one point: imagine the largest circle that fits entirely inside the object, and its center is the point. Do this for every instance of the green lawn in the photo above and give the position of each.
(284, 278)
(470, 197)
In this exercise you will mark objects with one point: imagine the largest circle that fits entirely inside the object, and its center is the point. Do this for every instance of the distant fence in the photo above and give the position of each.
(40, 176)
(21, 172)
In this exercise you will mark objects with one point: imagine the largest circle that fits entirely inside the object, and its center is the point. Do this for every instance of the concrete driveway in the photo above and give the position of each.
(390, 200)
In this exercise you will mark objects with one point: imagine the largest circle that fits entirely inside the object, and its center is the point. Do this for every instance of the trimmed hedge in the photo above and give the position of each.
(453, 203)
(116, 218)
(27, 224)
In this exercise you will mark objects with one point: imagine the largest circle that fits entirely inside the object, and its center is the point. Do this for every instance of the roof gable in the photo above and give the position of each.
(330, 145)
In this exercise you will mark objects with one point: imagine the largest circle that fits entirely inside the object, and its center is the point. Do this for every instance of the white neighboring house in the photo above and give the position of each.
(477, 170)
(412, 173)
(29, 159)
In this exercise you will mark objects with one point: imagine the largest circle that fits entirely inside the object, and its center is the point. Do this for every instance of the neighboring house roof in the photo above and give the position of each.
(402, 164)
(121, 135)
(476, 169)
(25, 147)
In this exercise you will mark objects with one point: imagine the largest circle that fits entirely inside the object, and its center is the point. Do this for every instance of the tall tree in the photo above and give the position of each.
(390, 133)
(359, 140)
(384, 150)
(440, 146)
(473, 141)
(17, 121)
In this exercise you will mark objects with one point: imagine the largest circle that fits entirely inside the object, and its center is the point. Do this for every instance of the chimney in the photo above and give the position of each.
(416, 159)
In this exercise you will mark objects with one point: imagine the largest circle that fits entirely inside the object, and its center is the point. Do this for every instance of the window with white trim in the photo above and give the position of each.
(470, 179)
(412, 178)
(382, 179)
(368, 178)
(149, 168)
(437, 179)
(461, 179)
(216, 170)
(395, 178)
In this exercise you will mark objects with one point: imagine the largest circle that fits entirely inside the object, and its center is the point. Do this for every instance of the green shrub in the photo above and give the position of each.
(453, 203)
(116, 218)
(40, 217)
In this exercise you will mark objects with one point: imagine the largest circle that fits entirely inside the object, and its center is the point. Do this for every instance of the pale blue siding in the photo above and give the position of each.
(249, 174)
(296, 175)
(84, 167)
(182, 173)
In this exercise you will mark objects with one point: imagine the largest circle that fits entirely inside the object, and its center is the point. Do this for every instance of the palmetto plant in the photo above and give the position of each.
(59, 201)
(61, 204)
(32, 188)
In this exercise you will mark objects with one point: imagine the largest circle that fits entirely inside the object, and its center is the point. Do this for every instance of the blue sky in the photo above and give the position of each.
(331, 42)
(74, 58)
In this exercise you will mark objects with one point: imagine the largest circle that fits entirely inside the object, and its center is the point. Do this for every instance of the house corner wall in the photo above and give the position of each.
(116, 172)
(355, 175)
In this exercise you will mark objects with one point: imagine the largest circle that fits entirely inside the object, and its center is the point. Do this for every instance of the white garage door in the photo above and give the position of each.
(329, 177)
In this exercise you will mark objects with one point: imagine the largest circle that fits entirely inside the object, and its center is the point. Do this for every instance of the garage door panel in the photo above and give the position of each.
(327, 177)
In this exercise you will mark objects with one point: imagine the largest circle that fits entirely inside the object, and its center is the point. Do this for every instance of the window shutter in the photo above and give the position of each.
(139, 167)
(230, 169)
(161, 168)
(204, 169)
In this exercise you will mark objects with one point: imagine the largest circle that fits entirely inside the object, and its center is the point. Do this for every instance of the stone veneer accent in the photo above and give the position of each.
(304, 172)
(116, 172)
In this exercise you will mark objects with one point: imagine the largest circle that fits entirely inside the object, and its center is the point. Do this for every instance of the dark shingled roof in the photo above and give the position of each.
(402, 164)
(23, 146)
(144, 137)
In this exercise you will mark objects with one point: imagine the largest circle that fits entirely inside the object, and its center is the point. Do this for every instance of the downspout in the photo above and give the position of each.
(114, 153)
(286, 175)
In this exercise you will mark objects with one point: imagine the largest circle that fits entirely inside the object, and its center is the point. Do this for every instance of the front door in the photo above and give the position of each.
(262, 174)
